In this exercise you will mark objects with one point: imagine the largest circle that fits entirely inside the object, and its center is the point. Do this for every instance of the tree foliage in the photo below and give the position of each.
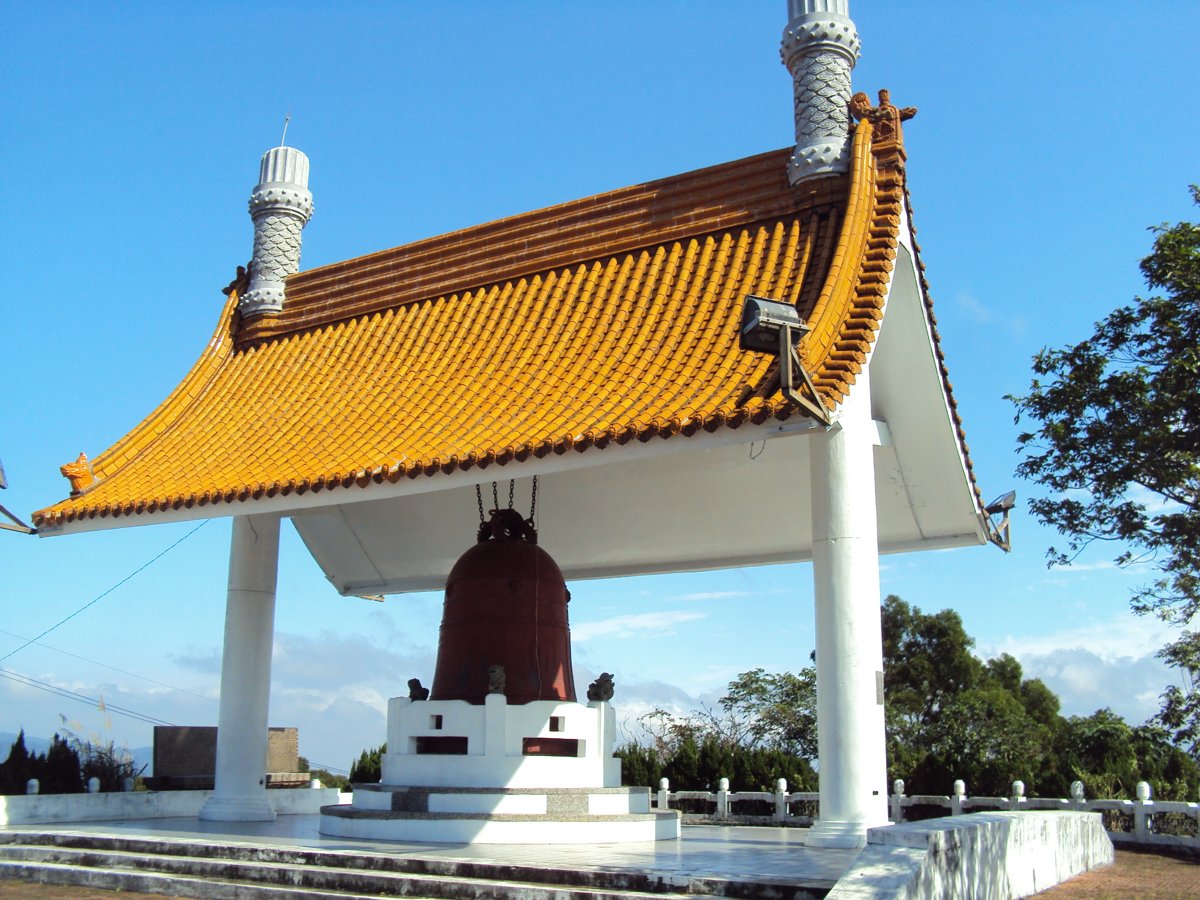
(695, 752)
(368, 768)
(58, 770)
(1115, 439)
(949, 715)
(780, 709)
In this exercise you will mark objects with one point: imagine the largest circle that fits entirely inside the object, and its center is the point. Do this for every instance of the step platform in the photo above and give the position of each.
(500, 815)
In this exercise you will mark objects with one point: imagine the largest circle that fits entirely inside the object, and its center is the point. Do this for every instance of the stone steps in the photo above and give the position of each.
(194, 868)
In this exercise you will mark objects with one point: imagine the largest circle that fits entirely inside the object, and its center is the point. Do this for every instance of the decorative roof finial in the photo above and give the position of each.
(884, 118)
(79, 473)
(820, 47)
(286, 118)
(280, 206)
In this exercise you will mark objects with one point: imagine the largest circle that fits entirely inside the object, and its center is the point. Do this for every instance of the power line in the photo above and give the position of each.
(141, 568)
(97, 662)
(99, 702)
(80, 698)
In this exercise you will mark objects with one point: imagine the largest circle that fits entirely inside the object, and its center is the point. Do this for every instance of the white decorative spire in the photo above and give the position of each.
(280, 206)
(820, 47)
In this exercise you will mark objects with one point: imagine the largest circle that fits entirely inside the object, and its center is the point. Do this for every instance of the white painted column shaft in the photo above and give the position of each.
(240, 793)
(851, 745)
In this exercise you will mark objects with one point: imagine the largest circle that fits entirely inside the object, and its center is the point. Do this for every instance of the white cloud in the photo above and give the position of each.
(1104, 565)
(1101, 663)
(653, 624)
(1122, 636)
(1085, 682)
(709, 595)
(975, 308)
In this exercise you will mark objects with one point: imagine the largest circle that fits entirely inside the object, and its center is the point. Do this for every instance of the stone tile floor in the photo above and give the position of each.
(705, 851)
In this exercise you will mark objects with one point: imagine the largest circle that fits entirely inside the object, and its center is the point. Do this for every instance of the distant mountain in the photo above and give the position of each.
(142, 756)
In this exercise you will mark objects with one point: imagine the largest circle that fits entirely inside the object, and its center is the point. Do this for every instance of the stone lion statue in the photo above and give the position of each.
(601, 690)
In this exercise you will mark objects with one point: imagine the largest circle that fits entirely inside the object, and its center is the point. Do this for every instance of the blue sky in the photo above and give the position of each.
(1049, 137)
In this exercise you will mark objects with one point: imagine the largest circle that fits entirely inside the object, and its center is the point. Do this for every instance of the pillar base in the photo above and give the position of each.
(829, 835)
(237, 809)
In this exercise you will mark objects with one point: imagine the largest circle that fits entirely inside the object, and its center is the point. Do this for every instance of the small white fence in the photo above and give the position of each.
(1140, 821)
(724, 800)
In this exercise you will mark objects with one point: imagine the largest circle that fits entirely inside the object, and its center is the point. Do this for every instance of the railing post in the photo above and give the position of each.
(1142, 810)
(664, 791)
(32, 786)
(723, 798)
(1077, 796)
(898, 800)
(781, 793)
(956, 800)
(1018, 795)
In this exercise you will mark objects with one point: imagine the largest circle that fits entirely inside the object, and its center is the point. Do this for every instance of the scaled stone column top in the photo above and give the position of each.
(820, 46)
(280, 206)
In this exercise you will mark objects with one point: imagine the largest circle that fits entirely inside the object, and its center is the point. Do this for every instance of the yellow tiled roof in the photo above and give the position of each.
(579, 327)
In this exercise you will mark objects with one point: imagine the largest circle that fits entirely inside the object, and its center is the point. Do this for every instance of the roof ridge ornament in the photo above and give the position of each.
(885, 121)
(280, 206)
(820, 46)
(79, 473)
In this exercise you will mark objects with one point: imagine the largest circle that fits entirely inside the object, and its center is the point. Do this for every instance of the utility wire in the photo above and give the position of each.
(119, 710)
(95, 701)
(97, 662)
(141, 568)
(81, 698)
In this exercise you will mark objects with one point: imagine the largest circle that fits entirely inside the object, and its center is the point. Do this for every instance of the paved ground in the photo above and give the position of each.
(1135, 874)
(708, 851)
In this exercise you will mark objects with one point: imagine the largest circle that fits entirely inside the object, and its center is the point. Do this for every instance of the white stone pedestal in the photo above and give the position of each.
(540, 772)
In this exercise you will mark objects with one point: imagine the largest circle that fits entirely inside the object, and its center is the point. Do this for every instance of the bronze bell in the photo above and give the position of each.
(506, 605)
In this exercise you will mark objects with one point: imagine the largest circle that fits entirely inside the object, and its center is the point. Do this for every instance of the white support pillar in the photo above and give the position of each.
(851, 746)
(240, 793)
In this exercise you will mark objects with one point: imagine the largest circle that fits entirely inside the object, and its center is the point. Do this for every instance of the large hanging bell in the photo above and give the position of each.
(505, 606)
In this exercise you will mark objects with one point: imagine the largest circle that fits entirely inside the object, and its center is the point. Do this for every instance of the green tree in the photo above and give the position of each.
(1172, 773)
(61, 770)
(368, 768)
(780, 709)
(949, 715)
(104, 760)
(985, 738)
(1115, 439)
(927, 661)
(17, 768)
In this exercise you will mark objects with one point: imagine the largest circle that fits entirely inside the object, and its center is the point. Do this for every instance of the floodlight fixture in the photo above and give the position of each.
(1000, 533)
(1003, 503)
(762, 320)
(770, 326)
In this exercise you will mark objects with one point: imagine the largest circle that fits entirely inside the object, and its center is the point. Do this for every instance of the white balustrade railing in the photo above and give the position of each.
(724, 801)
(1139, 821)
